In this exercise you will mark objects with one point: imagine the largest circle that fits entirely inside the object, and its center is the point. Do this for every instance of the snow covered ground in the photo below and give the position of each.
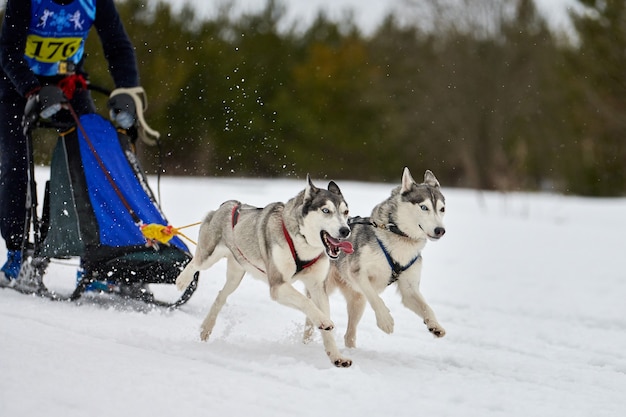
(530, 288)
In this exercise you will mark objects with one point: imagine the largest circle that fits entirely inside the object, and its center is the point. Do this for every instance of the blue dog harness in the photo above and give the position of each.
(396, 268)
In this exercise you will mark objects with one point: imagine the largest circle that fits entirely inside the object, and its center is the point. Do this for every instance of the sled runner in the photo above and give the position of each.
(95, 204)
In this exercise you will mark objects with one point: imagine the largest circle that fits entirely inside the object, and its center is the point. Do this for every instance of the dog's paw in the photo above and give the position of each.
(384, 321)
(204, 334)
(326, 325)
(435, 328)
(340, 362)
(182, 283)
(349, 341)
(343, 363)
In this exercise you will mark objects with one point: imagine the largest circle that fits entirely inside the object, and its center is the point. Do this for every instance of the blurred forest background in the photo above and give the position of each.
(486, 95)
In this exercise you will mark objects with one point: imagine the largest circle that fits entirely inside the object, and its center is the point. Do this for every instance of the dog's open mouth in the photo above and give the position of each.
(335, 246)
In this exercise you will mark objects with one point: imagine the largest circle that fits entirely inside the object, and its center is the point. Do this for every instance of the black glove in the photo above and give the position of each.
(51, 100)
(122, 110)
(44, 103)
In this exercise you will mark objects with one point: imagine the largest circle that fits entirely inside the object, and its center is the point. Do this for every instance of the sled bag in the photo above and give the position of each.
(95, 182)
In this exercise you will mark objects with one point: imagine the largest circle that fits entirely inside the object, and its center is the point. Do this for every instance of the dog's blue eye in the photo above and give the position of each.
(424, 208)
(325, 210)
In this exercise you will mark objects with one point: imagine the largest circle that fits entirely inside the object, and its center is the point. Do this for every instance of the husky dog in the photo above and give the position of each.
(279, 244)
(388, 248)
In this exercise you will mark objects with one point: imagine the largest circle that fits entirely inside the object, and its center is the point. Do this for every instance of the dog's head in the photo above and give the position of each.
(325, 219)
(424, 203)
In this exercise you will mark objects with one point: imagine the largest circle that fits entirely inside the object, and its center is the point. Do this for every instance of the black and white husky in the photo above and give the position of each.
(279, 244)
(387, 250)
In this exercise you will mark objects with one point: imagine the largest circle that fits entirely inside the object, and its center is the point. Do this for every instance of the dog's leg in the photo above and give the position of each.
(319, 297)
(355, 303)
(234, 274)
(384, 321)
(198, 264)
(287, 295)
(413, 300)
(356, 306)
(284, 293)
(205, 255)
(308, 327)
(186, 276)
(331, 284)
(308, 331)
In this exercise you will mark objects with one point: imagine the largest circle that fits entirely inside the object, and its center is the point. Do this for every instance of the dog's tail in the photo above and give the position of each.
(208, 238)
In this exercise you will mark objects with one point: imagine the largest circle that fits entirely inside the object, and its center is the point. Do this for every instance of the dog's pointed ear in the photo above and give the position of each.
(407, 180)
(310, 188)
(334, 188)
(430, 179)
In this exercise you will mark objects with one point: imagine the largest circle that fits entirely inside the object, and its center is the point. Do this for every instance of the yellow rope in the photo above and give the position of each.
(190, 240)
(189, 225)
(163, 234)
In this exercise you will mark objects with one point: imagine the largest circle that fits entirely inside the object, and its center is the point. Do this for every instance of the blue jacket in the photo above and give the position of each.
(28, 49)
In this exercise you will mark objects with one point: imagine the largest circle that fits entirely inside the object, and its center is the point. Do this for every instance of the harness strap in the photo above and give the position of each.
(234, 215)
(103, 167)
(234, 218)
(391, 227)
(71, 83)
(396, 268)
(300, 264)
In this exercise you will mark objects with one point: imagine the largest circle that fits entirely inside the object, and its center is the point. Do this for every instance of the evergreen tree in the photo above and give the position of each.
(598, 79)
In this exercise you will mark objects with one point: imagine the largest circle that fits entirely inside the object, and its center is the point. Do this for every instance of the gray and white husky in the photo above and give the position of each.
(387, 250)
(279, 244)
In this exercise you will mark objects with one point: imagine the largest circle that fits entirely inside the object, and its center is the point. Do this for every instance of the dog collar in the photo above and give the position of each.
(391, 227)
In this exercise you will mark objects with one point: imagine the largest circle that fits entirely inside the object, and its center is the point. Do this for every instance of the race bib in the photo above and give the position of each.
(51, 50)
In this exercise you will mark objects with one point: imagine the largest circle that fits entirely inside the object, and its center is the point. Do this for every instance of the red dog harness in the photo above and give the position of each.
(300, 264)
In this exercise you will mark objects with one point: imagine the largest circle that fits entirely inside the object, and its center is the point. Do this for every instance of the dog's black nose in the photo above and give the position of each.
(344, 232)
(440, 231)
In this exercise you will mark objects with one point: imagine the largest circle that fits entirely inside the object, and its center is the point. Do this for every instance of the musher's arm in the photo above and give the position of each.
(117, 47)
(13, 43)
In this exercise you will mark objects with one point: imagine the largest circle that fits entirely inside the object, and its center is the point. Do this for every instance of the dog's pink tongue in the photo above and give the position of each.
(346, 246)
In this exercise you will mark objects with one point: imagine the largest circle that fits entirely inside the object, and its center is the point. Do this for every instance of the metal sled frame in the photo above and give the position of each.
(34, 265)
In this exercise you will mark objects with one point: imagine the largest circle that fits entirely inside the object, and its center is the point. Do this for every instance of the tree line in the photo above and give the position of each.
(485, 95)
